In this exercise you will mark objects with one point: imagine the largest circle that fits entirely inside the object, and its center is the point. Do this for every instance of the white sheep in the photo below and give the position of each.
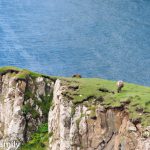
(120, 85)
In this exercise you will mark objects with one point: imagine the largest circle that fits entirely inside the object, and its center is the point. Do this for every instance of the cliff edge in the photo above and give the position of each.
(39, 112)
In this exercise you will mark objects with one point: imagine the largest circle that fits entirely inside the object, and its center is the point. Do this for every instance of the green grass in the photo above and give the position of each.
(8, 68)
(138, 96)
(39, 139)
(45, 104)
(28, 109)
(23, 74)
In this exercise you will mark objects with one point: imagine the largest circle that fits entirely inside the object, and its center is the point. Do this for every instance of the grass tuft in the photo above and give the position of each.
(39, 139)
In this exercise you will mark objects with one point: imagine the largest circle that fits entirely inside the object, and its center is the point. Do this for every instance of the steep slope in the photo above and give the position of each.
(25, 99)
(55, 113)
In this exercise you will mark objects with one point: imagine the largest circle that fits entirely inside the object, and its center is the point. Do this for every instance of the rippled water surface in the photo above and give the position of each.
(96, 38)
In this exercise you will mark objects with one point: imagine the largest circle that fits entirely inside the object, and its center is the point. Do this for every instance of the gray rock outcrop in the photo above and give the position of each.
(20, 111)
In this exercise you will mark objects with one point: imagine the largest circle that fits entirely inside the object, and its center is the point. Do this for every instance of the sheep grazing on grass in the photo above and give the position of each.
(120, 85)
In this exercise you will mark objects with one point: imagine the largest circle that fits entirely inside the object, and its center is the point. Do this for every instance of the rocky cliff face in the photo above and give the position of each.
(91, 127)
(21, 107)
(26, 103)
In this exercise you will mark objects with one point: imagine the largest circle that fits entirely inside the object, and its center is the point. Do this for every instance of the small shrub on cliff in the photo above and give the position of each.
(28, 109)
(39, 139)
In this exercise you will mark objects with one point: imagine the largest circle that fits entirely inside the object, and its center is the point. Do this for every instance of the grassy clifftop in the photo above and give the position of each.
(134, 98)
(22, 74)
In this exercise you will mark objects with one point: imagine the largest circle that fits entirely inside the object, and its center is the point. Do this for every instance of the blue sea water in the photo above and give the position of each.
(96, 38)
